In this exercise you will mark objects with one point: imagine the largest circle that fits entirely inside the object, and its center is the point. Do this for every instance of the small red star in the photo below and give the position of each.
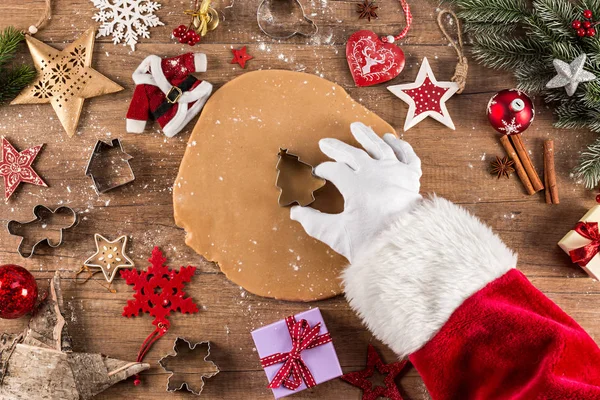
(240, 57)
(16, 167)
(361, 378)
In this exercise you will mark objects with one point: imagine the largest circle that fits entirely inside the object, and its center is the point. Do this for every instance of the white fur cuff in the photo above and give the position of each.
(410, 280)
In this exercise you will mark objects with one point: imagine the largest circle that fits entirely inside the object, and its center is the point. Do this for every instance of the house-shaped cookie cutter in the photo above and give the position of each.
(96, 168)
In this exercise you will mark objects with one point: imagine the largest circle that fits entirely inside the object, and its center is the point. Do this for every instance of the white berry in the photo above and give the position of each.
(32, 30)
(390, 39)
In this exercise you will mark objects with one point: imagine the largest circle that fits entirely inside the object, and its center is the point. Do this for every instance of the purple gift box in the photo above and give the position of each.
(322, 360)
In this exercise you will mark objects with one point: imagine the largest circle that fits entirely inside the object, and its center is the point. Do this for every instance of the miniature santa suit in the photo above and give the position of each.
(167, 93)
(437, 285)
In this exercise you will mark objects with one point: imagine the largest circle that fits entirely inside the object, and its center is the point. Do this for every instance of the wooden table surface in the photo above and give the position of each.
(455, 165)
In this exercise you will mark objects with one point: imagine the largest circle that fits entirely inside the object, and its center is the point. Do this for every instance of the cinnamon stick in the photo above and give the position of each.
(510, 150)
(550, 172)
(547, 191)
(526, 161)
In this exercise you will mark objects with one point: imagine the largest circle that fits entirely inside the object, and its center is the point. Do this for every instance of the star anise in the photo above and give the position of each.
(366, 9)
(502, 167)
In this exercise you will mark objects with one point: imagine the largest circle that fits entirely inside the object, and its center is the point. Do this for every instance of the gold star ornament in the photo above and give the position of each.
(110, 256)
(65, 79)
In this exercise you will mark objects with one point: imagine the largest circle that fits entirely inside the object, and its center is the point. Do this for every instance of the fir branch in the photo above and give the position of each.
(588, 169)
(557, 15)
(489, 29)
(533, 79)
(15, 80)
(511, 53)
(496, 11)
(9, 40)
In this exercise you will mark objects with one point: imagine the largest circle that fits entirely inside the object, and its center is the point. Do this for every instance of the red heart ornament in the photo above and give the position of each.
(372, 61)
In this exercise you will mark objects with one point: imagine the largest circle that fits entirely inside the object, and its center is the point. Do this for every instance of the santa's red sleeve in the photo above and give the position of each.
(139, 110)
(440, 287)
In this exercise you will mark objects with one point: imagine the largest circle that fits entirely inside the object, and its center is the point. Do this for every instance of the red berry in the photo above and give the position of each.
(581, 32)
(587, 24)
(590, 32)
(182, 40)
(576, 24)
(587, 13)
(598, 198)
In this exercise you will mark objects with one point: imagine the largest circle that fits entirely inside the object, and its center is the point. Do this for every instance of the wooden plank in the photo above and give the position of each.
(456, 165)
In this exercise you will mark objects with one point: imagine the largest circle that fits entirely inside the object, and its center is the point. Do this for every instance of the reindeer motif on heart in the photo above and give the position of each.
(371, 61)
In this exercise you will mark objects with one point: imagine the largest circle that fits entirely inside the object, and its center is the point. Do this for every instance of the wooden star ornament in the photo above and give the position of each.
(240, 57)
(65, 79)
(110, 256)
(362, 379)
(426, 97)
(15, 167)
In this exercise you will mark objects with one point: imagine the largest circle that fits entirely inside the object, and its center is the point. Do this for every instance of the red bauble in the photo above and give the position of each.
(510, 111)
(18, 291)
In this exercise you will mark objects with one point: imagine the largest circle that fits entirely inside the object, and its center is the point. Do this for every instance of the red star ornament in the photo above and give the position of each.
(240, 57)
(361, 378)
(159, 290)
(426, 97)
(16, 167)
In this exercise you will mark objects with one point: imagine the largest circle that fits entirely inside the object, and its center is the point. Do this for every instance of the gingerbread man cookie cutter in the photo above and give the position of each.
(269, 11)
(41, 229)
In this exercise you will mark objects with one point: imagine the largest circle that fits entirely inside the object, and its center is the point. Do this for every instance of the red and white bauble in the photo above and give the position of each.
(510, 111)
(372, 61)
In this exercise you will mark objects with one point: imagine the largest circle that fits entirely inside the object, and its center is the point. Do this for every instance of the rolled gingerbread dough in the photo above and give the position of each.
(225, 195)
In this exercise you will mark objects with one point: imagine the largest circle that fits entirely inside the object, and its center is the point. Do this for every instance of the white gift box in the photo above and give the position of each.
(574, 240)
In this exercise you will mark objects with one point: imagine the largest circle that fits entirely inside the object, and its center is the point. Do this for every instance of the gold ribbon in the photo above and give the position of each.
(205, 18)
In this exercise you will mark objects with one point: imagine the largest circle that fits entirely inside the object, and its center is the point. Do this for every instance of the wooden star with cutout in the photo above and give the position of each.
(362, 379)
(110, 256)
(65, 79)
(240, 57)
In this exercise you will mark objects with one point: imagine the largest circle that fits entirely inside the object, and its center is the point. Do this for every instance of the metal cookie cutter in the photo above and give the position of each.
(107, 170)
(44, 228)
(296, 180)
(270, 10)
(188, 357)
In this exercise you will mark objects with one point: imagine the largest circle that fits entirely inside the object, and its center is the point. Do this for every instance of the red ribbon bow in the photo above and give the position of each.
(294, 370)
(584, 255)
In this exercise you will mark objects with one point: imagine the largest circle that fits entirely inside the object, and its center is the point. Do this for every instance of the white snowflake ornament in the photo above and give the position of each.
(126, 20)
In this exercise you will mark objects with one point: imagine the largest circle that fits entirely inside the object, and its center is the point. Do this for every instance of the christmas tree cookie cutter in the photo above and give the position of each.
(186, 356)
(109, 166)
(296, 180)
(282, 19)
(47, 226)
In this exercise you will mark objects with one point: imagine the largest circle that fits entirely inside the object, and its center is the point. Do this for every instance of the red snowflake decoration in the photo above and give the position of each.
(159, 290)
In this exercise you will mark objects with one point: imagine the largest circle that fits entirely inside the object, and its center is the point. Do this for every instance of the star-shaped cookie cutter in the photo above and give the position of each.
(42, 215)
(183, 348)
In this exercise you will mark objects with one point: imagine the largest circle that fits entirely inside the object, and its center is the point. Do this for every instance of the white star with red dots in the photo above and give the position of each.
(426, 97)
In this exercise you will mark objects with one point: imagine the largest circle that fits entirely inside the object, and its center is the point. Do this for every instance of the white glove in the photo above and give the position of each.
(377, 184)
